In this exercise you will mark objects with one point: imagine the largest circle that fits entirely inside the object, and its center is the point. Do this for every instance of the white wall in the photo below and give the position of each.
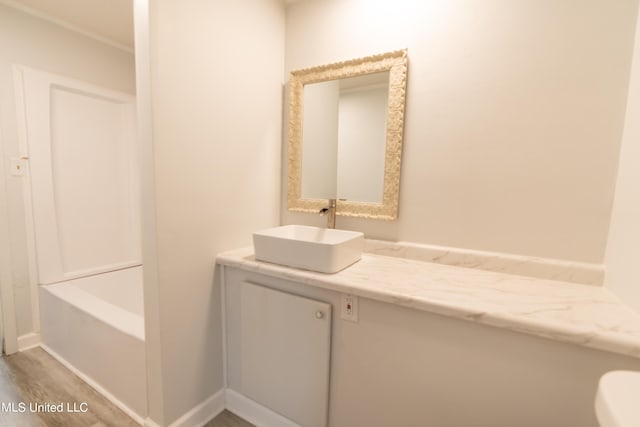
(36, 43)
(216, 87)
(513, 120)
(622, 272)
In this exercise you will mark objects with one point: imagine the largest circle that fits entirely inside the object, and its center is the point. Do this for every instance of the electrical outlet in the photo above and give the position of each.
(349, 307)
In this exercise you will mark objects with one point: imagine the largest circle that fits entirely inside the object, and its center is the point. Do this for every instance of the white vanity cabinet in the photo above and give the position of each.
(433, 345)
(278, 351)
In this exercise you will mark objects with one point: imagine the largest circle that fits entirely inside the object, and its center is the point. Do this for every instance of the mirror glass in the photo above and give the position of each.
(345, 136)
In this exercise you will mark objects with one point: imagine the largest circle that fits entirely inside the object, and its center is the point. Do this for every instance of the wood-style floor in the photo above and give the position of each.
(228, 419)
(33, 377)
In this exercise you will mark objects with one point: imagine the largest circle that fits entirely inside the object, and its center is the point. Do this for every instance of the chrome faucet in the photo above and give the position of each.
(330, 211)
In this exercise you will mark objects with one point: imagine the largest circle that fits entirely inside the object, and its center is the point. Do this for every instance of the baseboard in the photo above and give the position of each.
(27, 341)
(203, 413)
(254, 412)
(148, 422)
(124, 408)
(198, 416)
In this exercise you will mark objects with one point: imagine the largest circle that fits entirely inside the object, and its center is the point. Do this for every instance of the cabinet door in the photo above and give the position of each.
(279, 350)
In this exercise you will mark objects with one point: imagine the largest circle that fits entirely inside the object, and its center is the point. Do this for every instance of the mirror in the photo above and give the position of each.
(345, 136)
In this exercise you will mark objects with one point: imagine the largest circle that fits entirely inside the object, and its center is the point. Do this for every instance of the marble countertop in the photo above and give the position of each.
(585, 315)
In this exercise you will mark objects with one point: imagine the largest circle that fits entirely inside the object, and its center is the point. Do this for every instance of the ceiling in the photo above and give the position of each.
(111, 20)
(108, 20)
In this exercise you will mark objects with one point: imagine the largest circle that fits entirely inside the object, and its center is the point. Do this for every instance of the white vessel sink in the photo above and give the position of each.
(617, 399)
(310, 248)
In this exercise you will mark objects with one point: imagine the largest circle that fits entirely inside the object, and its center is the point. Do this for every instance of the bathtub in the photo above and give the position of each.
(95, 327)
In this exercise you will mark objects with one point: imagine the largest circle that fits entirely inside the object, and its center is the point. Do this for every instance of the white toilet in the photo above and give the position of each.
(618, 399)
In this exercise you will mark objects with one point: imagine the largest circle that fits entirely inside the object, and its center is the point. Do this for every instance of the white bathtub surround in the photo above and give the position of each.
(589, 316)
(543, 268)
(79, 195)
(125, 294)
(98, 336)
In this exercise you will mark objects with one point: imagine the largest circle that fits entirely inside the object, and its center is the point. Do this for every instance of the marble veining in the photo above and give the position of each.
(542, 268)
(590, 316)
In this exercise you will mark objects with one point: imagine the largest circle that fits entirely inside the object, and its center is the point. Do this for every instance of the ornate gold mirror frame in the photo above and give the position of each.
(394, 62)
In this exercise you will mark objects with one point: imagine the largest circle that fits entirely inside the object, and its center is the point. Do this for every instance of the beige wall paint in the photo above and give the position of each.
(622, 274)
(153, 337)
(514, 115)
(36, 43)
(216, 87)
